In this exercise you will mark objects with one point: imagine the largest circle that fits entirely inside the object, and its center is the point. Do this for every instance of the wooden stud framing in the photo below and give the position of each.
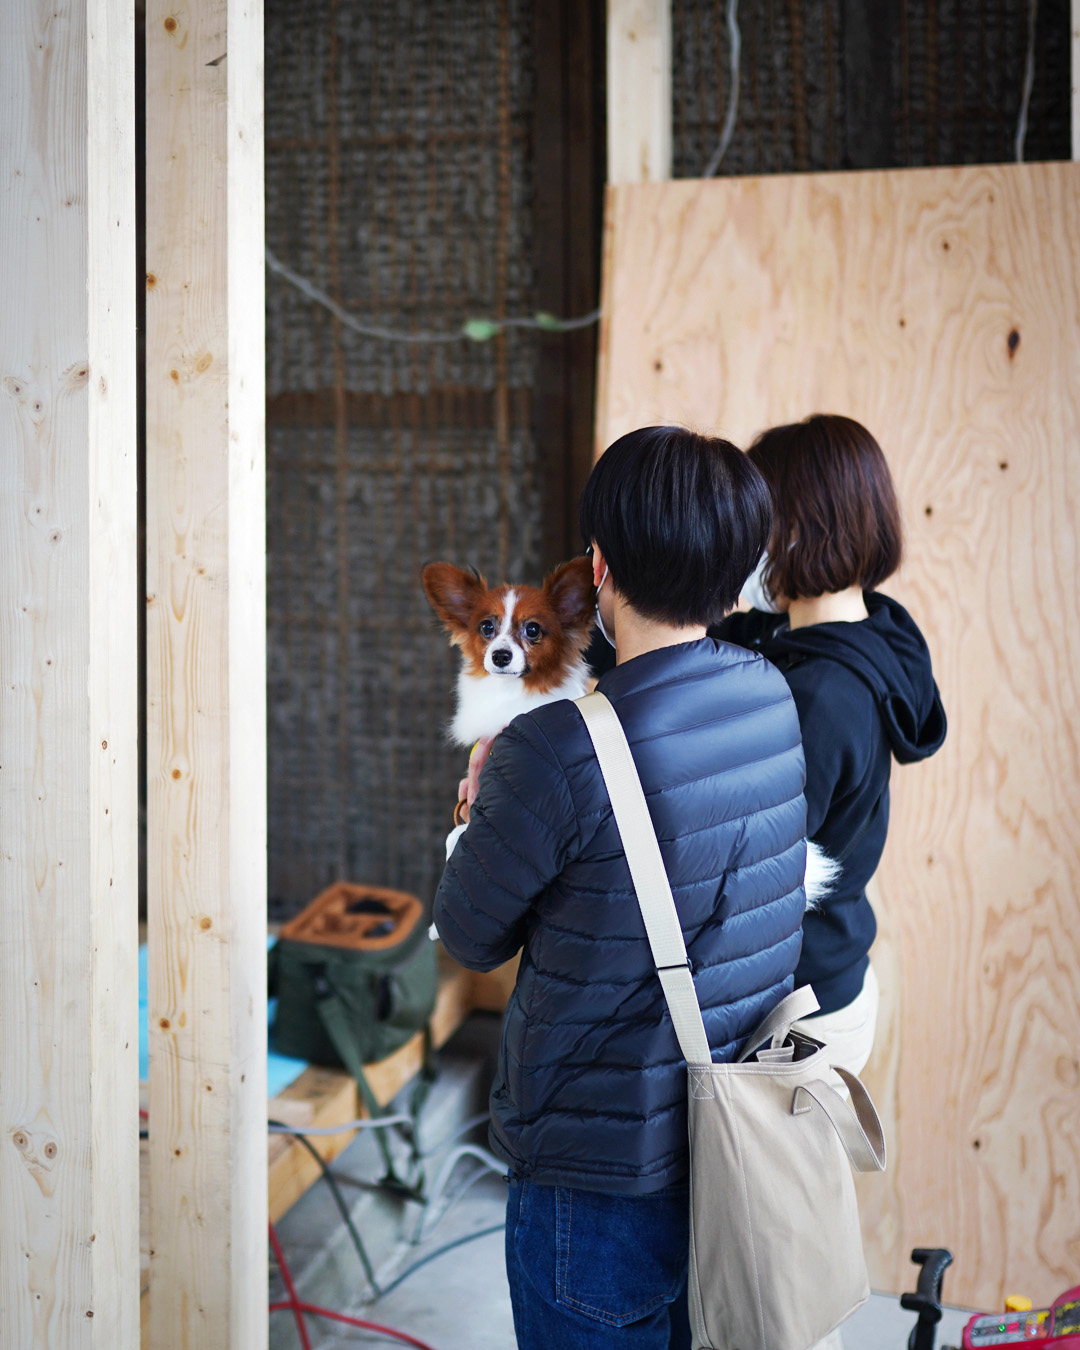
(206, 701)
(69, 1204)
(567, 37)
(639, 91)
(1076, 79)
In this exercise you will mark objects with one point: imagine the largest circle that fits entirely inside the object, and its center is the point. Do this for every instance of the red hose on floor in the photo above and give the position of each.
(294, 1302)
(299, 1308)
(316, 1311)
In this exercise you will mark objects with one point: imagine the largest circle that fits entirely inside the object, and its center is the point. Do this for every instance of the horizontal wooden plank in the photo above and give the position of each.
(450, 407)
(491, 989)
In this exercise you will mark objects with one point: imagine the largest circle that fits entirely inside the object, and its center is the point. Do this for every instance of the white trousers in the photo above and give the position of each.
(849, 1034)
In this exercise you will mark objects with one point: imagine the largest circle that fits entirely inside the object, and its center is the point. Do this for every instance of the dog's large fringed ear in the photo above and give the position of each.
(452, 592)
(573, 597)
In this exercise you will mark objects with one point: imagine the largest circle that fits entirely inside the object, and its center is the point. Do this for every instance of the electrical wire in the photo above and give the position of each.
(450, 1201)
(316, 1311)
(364, 1123)
(1029, 81)
(474, 330)
(339, 1200)
(294, 1302)
(440, 1251)
(474, 1122)
(490, 1164)
(471, 1124)
(298, 1306)
(735, 45)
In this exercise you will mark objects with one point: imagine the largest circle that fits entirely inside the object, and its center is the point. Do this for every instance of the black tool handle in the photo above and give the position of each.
(926, 1301)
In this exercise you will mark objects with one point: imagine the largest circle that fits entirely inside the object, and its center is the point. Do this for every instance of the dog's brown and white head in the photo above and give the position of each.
(536, 633)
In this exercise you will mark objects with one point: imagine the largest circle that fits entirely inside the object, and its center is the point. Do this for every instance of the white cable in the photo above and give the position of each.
(471, 1124)
(321, 298)
(490, 1164)
(426, 1223)
(476, 330)
(364, 1124)
(1029, 81)
(735, 43)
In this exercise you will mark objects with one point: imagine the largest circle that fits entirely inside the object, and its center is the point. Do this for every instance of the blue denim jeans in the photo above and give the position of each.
(589, 1271)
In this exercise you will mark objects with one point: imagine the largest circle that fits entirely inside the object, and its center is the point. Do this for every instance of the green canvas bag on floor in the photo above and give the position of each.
(354, 975)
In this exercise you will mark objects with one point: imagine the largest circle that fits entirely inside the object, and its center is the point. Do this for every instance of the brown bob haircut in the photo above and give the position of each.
(836, 521)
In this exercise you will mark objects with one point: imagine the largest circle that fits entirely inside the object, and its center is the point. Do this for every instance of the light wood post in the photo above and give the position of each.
(639, 91)
(1076, 79)
(69, 1204)
(206, 701)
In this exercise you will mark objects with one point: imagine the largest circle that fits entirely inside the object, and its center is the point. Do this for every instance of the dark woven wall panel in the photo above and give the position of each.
(836, 84)
(398, 182)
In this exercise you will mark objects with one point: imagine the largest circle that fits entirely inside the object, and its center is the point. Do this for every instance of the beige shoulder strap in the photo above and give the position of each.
(647, 870)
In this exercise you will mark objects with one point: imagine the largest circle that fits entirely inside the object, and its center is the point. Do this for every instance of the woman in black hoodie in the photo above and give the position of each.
(860, 674)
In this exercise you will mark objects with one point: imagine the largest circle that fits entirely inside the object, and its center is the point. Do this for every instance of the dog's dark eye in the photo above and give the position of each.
(533, 631)
(487, 628)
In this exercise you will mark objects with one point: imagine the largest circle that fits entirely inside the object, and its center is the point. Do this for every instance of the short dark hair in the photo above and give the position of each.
(681, 520)
(836, 520)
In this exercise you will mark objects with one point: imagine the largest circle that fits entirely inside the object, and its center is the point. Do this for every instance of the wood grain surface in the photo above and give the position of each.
(1075, 25)
(206, 674)
(942, 309)
(69, 1202)
(638, 91)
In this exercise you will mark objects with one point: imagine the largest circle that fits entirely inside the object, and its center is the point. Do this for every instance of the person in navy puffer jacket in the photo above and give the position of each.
(588, 1105)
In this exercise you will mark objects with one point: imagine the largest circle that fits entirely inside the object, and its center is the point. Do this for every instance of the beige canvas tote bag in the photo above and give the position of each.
(776, 1258)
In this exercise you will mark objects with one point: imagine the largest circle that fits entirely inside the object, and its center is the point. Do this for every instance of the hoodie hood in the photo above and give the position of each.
(889, 654)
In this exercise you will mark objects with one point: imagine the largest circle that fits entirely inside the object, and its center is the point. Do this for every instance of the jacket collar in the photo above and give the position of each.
(684, 661)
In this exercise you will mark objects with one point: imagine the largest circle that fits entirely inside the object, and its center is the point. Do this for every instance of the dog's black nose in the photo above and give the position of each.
(501, 656)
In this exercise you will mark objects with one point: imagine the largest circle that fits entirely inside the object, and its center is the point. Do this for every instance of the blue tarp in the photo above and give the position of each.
(280, 1071)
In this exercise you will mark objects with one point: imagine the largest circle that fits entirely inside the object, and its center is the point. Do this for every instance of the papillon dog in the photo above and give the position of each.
(521, 646)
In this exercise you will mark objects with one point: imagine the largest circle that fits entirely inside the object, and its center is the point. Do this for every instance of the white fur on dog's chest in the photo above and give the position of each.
(486, 703)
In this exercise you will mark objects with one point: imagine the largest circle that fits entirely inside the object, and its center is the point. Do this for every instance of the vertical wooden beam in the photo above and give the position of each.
(569, 150)
(868, 37)
(69, 1205)
(639, 91)
(206, 701)
(1076, 79)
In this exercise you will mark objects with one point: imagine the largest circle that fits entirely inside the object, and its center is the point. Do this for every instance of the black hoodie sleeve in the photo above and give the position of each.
(844, 746)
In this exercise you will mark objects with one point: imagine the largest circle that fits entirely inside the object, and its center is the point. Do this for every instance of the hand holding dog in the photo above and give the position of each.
(470, 784)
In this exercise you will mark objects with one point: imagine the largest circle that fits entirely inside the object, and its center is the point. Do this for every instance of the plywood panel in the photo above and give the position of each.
(68, 663)
(942, 309)
(206, 673)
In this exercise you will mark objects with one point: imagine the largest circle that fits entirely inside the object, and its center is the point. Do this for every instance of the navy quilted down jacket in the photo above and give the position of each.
(591, 1086)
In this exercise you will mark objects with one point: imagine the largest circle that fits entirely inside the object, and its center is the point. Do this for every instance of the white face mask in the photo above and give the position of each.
(754, 592)
(599, 621)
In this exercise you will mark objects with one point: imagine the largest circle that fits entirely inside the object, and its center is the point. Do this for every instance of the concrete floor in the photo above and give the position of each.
(458, 1300)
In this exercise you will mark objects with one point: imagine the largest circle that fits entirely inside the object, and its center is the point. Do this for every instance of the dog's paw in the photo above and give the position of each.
(822, 874)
